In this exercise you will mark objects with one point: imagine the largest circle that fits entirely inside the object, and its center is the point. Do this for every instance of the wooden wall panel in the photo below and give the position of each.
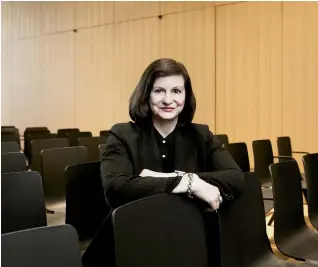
(137, 44)
(181, 6)
(249, 72)
(57, 16)
(27, 94)
(5, 82)
(6, 21)
(125, 11)
(168, 7)
(300, 84)
(266, 62)
(96, 101)
(57, 91)
(5, 63)
(88, 14)
(25, 19)
(189, 38)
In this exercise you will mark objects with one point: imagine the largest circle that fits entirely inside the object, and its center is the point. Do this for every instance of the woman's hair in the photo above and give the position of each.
(139, 109)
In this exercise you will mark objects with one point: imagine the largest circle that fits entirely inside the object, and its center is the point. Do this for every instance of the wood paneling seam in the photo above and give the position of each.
(215, 77)
(282, 68)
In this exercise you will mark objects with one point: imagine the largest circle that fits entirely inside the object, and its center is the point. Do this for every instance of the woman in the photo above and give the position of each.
(162, 151)
(141, 158)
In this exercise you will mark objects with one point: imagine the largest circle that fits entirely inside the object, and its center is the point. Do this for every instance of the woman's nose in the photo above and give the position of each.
(167, 99)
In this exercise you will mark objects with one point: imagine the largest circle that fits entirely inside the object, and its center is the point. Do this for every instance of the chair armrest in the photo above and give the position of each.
(301, 152)
(283, 157)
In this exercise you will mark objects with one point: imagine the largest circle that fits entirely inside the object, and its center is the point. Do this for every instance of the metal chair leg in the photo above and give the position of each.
(271, 220)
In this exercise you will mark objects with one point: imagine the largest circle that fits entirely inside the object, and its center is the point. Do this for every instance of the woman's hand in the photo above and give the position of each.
(208, 193)
(146, 172)
(200, 189)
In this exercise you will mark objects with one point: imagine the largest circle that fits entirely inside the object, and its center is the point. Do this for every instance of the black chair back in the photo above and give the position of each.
(33, 130)
(239, 153)
(311, 171)
(8, 137)
(244, 242)
(292, 236)
(223, 138)
(8, 133)
(13, 162)
(33, 135)
(73, 136)
(36, 136)
(7, 147)
(62, 133)
(54, 162)
(104, 133)
(86, 206)
(165, 230)
(92, 143)
(284, 147)
(288, 202)
(38, 145)
(10, 129)
(22, 203)
(45, 246)
(263, 158)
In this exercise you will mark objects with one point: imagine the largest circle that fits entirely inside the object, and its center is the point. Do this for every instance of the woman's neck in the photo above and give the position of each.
(165, 127)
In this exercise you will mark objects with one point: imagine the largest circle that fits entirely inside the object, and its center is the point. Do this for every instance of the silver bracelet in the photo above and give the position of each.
(189, 190)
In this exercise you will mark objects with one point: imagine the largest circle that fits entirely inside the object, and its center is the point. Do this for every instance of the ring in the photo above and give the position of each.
(220, 199)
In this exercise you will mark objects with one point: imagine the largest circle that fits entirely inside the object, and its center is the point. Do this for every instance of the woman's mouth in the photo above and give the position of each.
(167, 109)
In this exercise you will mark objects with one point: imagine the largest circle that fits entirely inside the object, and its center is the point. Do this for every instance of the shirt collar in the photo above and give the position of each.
(170, 138)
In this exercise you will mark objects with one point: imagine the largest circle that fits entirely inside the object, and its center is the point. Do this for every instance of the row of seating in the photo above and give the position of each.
(263, 158)
(11, 133)
(77, 173)
(292, 235)
(25, 197)
(50, 163)
(62, 182)
(285, 185)
(36, 146)
(165, 230)
(94, 155)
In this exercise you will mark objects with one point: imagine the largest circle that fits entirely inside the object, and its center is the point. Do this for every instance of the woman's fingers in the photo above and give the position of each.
(214, 205)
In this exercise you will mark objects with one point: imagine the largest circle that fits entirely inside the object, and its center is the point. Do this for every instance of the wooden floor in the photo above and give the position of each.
(59, 218)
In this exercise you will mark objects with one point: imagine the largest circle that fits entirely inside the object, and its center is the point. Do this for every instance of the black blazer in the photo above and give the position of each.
(131, 148)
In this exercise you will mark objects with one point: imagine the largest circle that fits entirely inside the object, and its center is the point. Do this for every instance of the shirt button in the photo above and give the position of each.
(163, 156)
(164, 141)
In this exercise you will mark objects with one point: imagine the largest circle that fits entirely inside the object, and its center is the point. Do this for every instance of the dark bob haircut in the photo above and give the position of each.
(139, 109)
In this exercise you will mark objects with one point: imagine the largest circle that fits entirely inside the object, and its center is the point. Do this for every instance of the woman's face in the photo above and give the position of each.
(167, 97)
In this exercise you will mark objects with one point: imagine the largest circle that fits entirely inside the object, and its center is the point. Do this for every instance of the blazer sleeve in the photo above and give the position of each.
(120, 184)
(226, 174)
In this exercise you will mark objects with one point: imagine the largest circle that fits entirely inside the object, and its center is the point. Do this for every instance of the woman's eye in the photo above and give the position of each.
(158, 91)
(177, 91)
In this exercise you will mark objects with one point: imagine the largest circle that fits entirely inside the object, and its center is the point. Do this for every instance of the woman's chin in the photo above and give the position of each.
(167, 117)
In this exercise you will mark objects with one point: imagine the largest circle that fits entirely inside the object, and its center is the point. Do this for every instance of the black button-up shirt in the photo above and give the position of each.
(166, 148)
